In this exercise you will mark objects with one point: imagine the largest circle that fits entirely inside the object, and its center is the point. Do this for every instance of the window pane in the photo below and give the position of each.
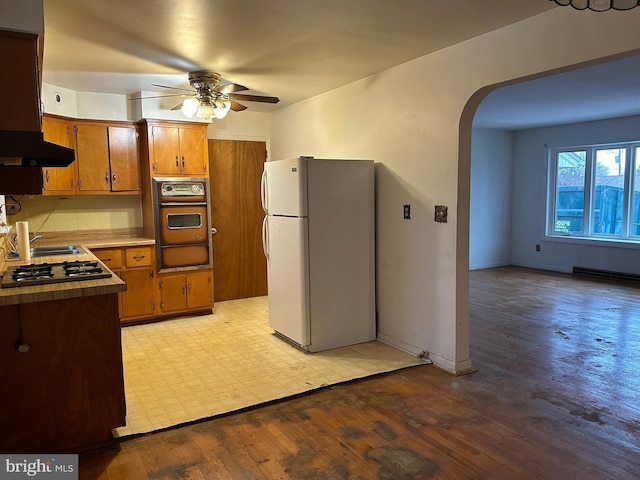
(570, 176)
(608, 201)
(635, 213)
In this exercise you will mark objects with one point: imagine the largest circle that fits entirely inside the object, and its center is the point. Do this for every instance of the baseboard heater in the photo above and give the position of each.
(606, 275)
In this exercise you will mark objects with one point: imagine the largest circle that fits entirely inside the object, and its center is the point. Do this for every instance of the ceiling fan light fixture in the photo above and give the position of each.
(190, 107)
(205, 108)
(599, 5)
(221, 107)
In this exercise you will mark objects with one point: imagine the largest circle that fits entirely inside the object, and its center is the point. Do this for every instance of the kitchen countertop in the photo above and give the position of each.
(96, 238)
(74, 289)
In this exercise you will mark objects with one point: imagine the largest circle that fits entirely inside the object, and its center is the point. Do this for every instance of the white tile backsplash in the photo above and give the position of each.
(61, 214)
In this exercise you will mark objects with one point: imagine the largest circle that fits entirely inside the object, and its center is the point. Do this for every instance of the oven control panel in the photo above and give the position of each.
(181, 189)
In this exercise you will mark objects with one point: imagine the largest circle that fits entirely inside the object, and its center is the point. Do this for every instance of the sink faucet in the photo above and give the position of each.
(36, 237)
(13, 245)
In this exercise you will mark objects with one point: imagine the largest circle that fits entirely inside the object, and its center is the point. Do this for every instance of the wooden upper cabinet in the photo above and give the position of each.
(193, 151)
(166, 150)
(178, 150)
(92, 158)
(58, 180)
(123, 156)
(106, 157)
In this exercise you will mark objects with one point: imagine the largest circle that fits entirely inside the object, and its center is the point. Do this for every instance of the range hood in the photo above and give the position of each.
(23, 149)
(29, 149)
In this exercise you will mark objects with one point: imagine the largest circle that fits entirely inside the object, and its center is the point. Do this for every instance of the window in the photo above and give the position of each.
(595, 192)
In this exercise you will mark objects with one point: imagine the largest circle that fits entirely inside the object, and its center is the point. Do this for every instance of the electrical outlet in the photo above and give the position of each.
(440, 214)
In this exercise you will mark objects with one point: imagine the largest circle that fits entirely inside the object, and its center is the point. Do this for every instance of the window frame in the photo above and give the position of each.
(630, 181)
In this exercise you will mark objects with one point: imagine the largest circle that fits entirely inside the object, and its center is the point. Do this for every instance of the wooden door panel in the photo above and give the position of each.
(92, 156)
(200, 290)
(193, 153)
(58, 180)
(173, 293)
(123, 154)
(166, 151)
(138, 300)
(239, 263)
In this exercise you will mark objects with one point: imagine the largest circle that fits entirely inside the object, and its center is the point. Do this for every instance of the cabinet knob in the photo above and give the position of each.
(106, 177)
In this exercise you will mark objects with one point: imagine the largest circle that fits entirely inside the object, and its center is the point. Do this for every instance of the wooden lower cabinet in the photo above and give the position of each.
(138, 301)
(134, 266)
(64, 390)
(150, 296)
(183, 292)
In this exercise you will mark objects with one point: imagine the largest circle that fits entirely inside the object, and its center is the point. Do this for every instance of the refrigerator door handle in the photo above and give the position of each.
(263, 191)
(265, 236)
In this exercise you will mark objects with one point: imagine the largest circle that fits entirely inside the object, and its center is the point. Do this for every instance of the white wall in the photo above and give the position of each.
(530, 193)
(423, 147)
(490, 208)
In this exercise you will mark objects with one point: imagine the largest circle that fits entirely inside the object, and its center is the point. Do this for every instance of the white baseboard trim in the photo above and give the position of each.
(455, 368)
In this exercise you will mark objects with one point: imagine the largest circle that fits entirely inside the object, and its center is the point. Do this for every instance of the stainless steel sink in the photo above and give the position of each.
(56, 250)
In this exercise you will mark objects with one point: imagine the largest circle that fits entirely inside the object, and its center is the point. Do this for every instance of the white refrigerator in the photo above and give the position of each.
(319, 239)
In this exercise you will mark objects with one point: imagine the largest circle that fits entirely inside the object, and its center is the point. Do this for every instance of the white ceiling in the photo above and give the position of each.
(292, 49)
(597, 92)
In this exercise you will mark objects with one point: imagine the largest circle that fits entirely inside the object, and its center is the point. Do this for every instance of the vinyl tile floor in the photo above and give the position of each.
(190, 368)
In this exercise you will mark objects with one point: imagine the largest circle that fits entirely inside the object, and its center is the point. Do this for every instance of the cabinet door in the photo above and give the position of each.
(123, 158)
(199, 290)
(166, 153)
(138, 300)
(193, 151)
(92, 157)
(59, 180)
(173, 293)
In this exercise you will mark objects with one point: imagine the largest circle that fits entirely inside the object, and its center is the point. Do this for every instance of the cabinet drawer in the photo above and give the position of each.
(111, 257)
(138, 256)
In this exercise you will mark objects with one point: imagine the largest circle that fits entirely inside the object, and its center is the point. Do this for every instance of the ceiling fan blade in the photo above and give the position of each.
(254, 98)
(158, 96)
(229, 88)
(174, 88)
(237, 107)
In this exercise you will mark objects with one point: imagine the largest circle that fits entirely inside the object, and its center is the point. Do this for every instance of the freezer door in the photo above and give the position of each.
(284, 187)
(288, 278)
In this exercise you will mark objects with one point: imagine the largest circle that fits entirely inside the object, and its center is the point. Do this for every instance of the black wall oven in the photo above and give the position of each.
(183, 223)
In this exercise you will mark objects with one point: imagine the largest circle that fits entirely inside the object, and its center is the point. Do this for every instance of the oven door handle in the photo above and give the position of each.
(182, 204)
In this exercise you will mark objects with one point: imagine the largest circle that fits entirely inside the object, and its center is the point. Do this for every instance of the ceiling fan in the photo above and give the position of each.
(209, 98)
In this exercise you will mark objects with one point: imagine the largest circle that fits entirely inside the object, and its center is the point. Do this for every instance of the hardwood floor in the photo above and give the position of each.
(556, 396)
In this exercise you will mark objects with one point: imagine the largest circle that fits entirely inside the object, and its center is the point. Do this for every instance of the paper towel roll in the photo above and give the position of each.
(24, 248)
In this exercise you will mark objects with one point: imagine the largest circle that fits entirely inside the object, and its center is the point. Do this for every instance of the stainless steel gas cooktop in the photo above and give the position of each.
(45, 273)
